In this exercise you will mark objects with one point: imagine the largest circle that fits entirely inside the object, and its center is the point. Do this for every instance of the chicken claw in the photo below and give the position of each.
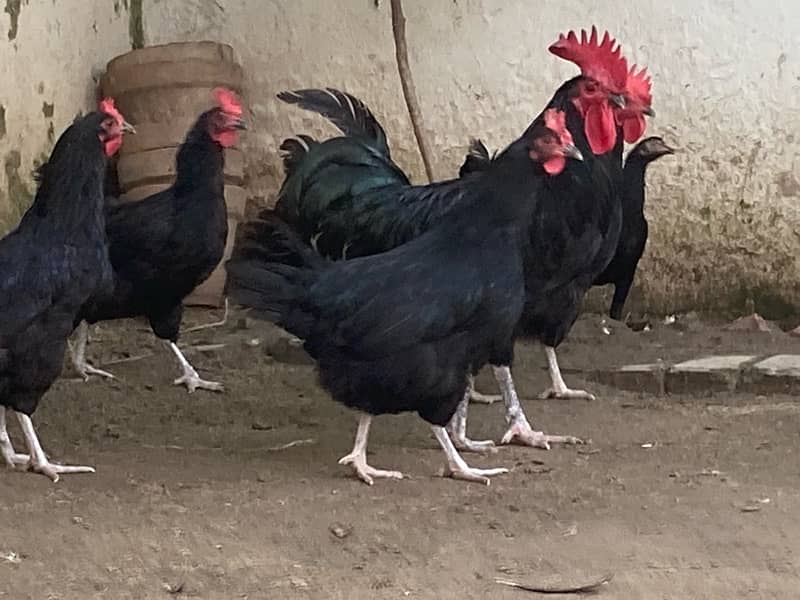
(456, 467)
(521, 433)
(366, 473)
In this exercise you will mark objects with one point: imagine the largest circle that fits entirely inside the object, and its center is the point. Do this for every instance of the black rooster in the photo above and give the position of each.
(164, 246)
(347, 198)
(633, 237)
(49, 266)
(402, 330)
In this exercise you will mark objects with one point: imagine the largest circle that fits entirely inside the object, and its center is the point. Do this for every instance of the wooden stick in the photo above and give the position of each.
(586, 588)
(407, 81)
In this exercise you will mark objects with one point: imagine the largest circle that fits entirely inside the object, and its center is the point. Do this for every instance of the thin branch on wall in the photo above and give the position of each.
(409, 92)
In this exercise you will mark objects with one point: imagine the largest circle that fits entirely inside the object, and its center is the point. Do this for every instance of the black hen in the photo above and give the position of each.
(633, 237)
(49, 266)
(164, 246)
(402, 330)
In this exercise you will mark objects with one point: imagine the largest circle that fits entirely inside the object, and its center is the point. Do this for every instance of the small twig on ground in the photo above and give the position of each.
(288, 445)
(127, 359)
(203, 347)
(586, 588)
(220, 323)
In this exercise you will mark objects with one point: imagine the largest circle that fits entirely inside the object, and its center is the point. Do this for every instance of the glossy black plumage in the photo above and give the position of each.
(164, 246)
(633, 237)
(51, 264)
(348, 199)
(345, 196)
(400, 331)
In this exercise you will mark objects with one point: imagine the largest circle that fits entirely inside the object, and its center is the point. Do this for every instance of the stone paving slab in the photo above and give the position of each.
(780, 364)
(708, 374)
(733, 372)
(779, 374)
(727, 362)
(647, 378)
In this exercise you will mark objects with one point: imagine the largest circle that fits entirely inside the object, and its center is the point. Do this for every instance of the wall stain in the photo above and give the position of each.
(13, 8)
(136, 24)
(2, 121)
(48, 109)
(787, 183)
(19, 196)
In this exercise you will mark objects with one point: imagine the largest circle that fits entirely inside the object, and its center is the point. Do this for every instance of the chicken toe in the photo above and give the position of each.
(456, 467)
(358, 457)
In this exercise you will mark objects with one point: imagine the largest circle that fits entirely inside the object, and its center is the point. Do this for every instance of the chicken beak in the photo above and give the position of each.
(648, 110)
(239, 123)
(617, 100)
(571, 151)
(127, 127)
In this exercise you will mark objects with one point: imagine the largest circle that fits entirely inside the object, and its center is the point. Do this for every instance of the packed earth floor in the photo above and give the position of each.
(239, 495)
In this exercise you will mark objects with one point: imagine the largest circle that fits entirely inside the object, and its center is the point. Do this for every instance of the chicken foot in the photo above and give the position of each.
(37, 459)
(519, 430)
(479, 398)
(559, 389)
(78, 355)
(457, 428)
(456, 467)
(13, 459)
(358, 457)
(190, 377)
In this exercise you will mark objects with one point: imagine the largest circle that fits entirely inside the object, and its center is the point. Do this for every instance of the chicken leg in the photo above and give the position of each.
(477, 397)
(358, 457)
(559, 389)
(519, 430)
(78, 355)
(456, 467)
(38, 461)
(12, 458)
(190, 378)
(457, 428)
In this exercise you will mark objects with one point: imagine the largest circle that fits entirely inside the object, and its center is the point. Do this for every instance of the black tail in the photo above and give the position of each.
(269, 272)
(294, 150)
(477, 159)
(347, 112)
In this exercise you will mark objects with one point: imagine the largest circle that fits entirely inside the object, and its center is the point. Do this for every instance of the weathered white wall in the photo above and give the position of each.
(726, 75)
(49, 52)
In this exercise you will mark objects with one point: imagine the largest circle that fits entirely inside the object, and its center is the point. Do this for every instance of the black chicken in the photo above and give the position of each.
(401, 331)
(633, 237)
(164, 246)
(49, 266)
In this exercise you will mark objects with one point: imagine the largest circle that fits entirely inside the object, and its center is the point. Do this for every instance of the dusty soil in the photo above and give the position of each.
(196, 495)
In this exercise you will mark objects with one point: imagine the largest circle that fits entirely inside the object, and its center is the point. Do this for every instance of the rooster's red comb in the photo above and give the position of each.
(106, 105)
(601, 61)
(227, 101)
(639, 86)
(556, 120)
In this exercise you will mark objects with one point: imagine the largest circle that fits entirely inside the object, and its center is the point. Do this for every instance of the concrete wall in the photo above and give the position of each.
(723, 214)
(49, 53)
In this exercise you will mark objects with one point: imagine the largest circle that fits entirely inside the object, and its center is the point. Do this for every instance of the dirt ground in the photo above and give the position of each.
(197, 496)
